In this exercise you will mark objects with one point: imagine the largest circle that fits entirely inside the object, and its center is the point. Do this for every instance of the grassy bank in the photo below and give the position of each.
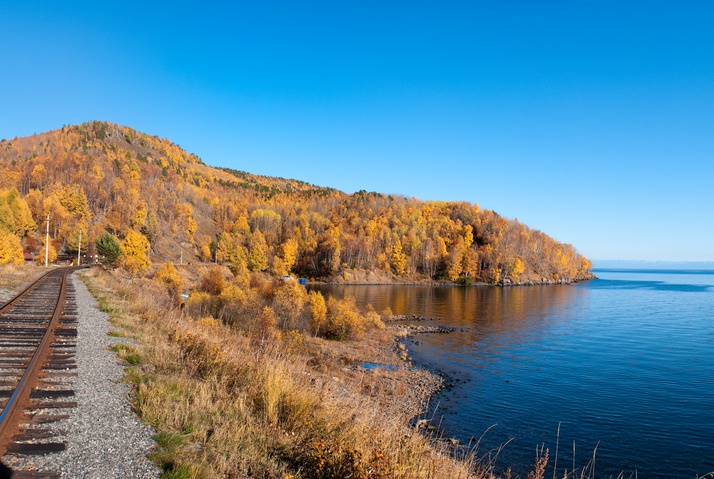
(229, 399)
(13, 278)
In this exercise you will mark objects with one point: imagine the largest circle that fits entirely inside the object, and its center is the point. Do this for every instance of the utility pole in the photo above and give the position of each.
(79, 247)
(47, 242)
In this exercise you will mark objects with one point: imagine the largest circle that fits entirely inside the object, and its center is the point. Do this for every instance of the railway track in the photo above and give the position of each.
(37, 346)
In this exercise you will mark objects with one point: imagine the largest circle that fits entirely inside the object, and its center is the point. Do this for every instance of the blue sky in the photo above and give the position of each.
(590, 120)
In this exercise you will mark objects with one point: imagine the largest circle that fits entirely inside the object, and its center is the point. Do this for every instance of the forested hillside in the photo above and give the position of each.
(160, 202)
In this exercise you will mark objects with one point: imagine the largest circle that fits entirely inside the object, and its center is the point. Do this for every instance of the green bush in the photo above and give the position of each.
(108, 249)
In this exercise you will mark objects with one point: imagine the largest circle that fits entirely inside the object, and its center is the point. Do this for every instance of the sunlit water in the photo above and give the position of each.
(625, 365)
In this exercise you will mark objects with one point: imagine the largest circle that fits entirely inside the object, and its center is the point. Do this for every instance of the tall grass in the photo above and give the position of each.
(227, 402)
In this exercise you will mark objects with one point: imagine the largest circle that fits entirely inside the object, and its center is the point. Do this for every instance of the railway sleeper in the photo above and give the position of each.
(36, 448)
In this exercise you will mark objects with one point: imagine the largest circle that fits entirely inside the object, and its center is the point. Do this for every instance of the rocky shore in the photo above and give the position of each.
(431, 382)
(425, 385)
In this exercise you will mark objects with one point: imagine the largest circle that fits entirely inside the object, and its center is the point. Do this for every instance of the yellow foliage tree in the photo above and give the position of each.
(518, 267)
(470, 263)
(290, 251)
(241, 226)
(278, 267)
(185, 213)
(231, 251)
(456, 260)
(282, 265)
(136, 253)
(10, 249)
(258, 252)
(399, 259)
(15, 214)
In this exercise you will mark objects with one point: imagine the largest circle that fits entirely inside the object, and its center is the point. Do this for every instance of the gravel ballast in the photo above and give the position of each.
(104, 438)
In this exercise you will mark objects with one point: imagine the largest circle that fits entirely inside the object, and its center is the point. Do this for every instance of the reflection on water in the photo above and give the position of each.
(623, 363)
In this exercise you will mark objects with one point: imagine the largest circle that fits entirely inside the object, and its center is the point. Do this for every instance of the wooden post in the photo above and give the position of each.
(47, 242)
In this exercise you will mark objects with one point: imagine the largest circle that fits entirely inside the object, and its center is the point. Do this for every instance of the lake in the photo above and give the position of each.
(623, 364)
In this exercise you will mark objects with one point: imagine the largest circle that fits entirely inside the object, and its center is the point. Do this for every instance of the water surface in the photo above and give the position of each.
(624, 364)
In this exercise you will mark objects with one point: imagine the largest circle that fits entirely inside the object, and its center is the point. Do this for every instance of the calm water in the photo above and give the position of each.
(624, 363)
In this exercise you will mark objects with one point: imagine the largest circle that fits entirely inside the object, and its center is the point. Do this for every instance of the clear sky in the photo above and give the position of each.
(590, 120)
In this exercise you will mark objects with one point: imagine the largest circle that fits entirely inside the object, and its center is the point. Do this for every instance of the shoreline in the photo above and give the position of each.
(447, 284)
(422, 419)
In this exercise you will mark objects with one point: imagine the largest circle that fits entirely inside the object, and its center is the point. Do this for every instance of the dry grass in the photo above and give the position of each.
(231, 402)
(13, 278)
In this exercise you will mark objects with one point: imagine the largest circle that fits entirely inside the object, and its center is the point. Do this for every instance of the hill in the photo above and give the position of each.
(99, 178)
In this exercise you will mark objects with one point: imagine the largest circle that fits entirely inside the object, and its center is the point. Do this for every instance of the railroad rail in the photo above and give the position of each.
(37, 346)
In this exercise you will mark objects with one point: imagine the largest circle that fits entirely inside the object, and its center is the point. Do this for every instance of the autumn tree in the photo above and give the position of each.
(230, 250)
(283, 264)
(398, 258)
(258, 252)
(135, 258)
(456, 260)
(15, 214)
(185, 215)
(517, 268)
(333, 247)
(10, 249)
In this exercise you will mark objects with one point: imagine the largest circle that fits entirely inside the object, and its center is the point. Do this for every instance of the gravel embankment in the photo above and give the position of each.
(104, 438)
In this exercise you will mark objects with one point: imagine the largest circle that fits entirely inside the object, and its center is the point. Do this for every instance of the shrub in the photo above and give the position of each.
(202, 304)
(295, 340)
(324, 460)
(201, 354)
(343, 320)
(267, 324)
(10, 249)
(240, 307)
(213, 281)
(169, 276)
(264, 284)
(233, 295)
(372, 320)
(318, 311)
(288, 304)
(208, 322)
(242, 278)
(108, 250)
